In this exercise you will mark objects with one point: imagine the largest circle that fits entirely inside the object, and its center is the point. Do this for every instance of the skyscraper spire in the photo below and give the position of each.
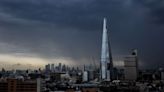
(106, 57)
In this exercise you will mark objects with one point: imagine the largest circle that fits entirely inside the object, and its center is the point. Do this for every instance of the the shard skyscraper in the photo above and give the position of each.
(106, 63)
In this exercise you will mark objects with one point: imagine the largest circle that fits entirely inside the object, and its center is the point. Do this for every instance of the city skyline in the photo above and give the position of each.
(40, 32)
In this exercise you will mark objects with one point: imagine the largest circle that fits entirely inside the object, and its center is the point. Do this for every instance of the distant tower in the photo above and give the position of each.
(106, 63)
(52, 67)
(60, 67)
(47, 68)
(85, 74)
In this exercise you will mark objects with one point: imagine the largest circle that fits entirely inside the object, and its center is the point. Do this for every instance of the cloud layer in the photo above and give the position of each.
(51, 29)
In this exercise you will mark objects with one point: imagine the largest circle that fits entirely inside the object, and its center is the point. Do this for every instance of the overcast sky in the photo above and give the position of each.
(37, 32)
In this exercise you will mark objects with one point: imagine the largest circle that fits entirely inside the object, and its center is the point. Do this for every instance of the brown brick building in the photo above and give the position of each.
(15, 85)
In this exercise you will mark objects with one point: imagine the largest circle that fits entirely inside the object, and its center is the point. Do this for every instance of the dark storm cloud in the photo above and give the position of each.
(72, 28)
(61, 12)
(156, 9)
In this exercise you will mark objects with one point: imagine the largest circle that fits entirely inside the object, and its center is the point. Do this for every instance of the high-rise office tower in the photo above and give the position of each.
(52, 67)
(60, 67)
(64, 68)
(131, 66)
(47, 68)
(106, 56)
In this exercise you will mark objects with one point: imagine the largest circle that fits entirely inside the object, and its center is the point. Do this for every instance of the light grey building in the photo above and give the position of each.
(85, 76)
(131, 67)
(39, 85)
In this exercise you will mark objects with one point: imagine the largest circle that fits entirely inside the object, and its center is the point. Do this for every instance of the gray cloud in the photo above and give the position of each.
(53, 28)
